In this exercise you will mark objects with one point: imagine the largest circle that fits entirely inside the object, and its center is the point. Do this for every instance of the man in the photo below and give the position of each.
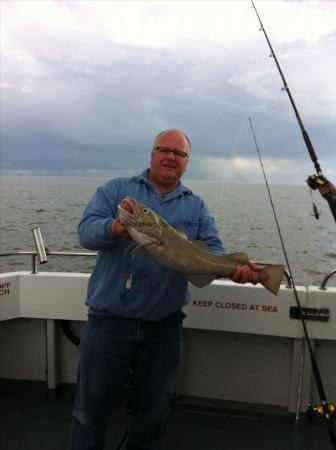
(135, 317)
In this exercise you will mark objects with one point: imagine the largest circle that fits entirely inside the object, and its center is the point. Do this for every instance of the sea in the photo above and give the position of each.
(242, 212)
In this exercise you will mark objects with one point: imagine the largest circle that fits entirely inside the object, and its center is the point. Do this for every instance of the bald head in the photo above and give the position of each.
(171, 131)
(169, 159)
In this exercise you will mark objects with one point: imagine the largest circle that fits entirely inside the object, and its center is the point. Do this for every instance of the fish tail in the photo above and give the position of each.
(270, 277)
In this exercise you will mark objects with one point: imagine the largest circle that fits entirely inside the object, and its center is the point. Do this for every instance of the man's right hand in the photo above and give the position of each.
(119, 230)
(328, 190)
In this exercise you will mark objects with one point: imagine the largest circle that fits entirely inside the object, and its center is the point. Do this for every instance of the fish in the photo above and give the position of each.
(171, 248)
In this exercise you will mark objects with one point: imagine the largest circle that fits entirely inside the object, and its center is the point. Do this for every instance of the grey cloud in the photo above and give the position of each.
(98, 107)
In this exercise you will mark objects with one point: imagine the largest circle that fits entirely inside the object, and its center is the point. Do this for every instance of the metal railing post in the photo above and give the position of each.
(34, 263)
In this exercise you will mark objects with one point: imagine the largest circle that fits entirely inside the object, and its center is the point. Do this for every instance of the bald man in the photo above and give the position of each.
(135, 304)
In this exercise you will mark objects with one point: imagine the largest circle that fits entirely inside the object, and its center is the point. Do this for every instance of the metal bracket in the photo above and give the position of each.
(320, 314)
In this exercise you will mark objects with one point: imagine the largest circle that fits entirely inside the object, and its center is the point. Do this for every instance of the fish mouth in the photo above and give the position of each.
(127, 206)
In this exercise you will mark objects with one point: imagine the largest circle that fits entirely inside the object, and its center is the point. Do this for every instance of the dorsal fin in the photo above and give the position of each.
(238, 257)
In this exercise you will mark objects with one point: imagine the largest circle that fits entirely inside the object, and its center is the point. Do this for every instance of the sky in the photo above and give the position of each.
(86, 85)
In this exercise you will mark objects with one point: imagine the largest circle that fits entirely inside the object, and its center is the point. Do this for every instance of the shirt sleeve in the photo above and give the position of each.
(94, 229)
(207, 231)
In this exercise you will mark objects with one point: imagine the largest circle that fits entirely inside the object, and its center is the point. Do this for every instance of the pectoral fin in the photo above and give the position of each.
(135, 249)
(181, 232)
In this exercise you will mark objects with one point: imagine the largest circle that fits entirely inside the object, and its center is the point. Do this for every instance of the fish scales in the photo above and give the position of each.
(185, 256)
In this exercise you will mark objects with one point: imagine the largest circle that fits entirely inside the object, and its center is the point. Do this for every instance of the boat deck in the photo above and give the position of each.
(29, 421)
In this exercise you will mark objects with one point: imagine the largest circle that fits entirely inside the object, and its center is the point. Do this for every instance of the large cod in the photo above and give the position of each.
(193, 259)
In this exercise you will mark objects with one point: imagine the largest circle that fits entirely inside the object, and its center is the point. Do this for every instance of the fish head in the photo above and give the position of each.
(143, 225)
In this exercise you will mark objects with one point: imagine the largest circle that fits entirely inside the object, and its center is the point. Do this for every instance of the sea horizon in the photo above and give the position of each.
(110, 174)
(243, 216)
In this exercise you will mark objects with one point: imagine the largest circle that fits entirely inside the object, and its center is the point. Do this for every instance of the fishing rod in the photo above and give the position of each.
(326, 407)
(313, 181)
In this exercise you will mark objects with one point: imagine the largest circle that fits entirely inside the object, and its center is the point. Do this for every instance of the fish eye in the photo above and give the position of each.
(145, 211)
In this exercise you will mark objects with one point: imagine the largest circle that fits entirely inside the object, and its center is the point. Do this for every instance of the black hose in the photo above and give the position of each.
(122, 440)
(68, 333)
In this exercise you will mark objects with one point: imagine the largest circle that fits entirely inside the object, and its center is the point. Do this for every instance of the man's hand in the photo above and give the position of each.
(328, 190)
(119, 230)
(248, 273)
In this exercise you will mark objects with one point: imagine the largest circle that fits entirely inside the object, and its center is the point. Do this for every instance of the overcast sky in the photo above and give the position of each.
(86, 85)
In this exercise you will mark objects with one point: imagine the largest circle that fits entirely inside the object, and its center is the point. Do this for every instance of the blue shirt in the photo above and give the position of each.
(156, 291)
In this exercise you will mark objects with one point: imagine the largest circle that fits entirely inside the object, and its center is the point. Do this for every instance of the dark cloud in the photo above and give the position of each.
(91, 103)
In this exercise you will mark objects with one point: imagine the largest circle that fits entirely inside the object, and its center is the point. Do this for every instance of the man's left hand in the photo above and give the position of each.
(248, 273)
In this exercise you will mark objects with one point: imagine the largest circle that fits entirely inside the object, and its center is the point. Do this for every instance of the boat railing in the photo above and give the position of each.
(35, 259)
(326, 278)
(42, 252)
(35, 256)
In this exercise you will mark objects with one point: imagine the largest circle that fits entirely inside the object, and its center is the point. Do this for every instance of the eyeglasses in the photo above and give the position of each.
(166, 151)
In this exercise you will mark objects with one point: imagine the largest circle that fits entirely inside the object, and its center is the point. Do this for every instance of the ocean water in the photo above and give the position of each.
(242, 211)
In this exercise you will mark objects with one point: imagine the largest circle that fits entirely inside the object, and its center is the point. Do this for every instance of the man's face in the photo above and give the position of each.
(167, 167)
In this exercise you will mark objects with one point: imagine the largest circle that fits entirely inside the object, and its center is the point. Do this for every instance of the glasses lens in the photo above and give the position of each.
(177, 153)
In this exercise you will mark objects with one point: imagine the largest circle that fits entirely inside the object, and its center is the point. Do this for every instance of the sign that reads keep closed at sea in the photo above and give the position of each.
(234, 305)
(227, 306)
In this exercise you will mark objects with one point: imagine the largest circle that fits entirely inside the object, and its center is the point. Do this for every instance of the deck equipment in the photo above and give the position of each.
(313, 181)
(324, 403)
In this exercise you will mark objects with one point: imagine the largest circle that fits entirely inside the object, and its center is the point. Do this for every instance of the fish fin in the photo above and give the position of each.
(200, 244)
(134, 249)
(200, 280)
(181, 232)
(138, 248)
(240, 257)
(274, 274)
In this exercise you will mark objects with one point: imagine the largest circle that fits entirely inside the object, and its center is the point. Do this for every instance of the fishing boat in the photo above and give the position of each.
(245, 378)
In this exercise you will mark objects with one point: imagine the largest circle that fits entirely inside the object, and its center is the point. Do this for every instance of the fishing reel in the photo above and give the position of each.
(318, 410)
(316, 182)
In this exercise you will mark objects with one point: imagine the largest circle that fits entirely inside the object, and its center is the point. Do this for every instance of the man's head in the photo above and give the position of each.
(169, 159)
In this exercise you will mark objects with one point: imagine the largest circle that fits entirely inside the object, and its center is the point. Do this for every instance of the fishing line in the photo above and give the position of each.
(309, 145)
(317, 213)
(231, 152)
(314, 364)
(310, 196)
(123, 439)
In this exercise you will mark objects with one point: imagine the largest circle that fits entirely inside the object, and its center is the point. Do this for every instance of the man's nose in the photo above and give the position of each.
(171, 155)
